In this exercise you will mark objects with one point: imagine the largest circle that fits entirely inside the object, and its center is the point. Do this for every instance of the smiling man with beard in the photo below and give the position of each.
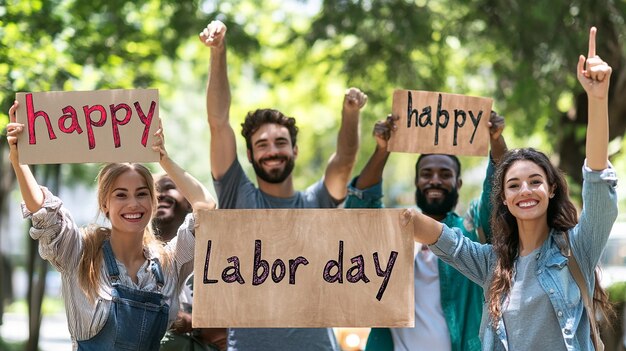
(271, 148)
(437, 180)
(172, 208)
(447, 305)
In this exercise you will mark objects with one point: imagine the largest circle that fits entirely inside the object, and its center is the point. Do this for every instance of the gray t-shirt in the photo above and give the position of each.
(235, 190)
(528, 315)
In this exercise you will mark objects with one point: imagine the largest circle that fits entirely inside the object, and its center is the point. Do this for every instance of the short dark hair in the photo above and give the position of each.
(454, 159)
(255, 119)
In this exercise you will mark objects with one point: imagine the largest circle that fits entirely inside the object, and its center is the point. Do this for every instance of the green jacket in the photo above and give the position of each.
(461, 299)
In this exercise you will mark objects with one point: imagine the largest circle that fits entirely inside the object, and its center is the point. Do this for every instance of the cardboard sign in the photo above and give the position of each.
(303, 268)
(432, 122)
(88, 126)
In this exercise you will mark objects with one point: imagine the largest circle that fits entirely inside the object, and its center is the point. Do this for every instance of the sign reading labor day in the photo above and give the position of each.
(433, 122)
(88, 126)
(303, 268)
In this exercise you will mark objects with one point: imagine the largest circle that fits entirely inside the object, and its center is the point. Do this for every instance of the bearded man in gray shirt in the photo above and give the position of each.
(272, 150)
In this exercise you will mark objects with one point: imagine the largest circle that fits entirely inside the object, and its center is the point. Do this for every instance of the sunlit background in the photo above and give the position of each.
(298, 57)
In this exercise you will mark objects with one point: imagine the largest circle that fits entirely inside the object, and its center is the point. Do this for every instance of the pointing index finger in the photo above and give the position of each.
(592, 43)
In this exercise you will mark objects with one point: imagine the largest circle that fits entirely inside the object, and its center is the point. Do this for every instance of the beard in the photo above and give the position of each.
(274, 176)
(172, 216)
(437, 207)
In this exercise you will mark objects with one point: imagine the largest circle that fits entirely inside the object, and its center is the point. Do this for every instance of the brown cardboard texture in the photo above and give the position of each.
(440, 123)
(303, 268)
(88, 126)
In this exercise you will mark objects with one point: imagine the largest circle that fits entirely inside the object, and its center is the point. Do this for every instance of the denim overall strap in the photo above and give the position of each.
(137, 319)
(109, 260)
(157, 271)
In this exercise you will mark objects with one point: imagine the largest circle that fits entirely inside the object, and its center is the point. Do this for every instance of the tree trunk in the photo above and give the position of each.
(36, 288)
(7, 182)
(37, 267)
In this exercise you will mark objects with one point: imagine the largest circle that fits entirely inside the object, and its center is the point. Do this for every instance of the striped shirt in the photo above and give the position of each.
(61, 243)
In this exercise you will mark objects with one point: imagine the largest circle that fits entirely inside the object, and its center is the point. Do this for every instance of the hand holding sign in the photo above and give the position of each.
(159, 142)
(496, 125)
(383, 129)
(14, 129)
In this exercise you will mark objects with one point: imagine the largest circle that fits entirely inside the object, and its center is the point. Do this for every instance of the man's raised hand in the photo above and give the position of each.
(214, 34)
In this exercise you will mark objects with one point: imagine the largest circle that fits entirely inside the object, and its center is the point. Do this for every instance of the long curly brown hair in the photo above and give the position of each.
(562, 216)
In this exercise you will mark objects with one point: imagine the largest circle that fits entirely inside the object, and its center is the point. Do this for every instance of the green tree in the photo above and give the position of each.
(299, 58)
(83, 45)
(524, 53)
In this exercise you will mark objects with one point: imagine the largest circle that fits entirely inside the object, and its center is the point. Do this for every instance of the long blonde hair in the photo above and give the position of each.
(94, 236)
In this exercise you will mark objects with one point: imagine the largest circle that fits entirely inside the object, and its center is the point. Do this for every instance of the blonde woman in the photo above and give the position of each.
(120, 284)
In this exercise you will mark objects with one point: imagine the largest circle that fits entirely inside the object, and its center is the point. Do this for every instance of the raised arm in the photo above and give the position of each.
(340, 165)
(31, 192)
(497, 144)
(223, 143)
(372, 173)
(426, 230)
(197, 195)
(479, 212)
(595, 77)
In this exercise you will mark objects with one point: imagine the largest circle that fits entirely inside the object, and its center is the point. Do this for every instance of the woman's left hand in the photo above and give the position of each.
(159, 142)
(595, 76)
(13, 130)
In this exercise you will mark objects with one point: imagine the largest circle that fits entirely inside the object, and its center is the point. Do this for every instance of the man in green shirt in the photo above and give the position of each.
(447, 305)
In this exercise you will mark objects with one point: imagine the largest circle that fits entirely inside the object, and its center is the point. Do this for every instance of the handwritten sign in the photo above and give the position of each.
(302, 268)
(88, 126)
(432, 122)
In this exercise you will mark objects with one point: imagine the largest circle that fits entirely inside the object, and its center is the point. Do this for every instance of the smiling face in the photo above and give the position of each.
(129, 204)
(171, 204)
(437, 184)
(272, 156)
(527, 192)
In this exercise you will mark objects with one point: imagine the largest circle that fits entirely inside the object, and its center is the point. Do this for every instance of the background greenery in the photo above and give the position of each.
(299, 57)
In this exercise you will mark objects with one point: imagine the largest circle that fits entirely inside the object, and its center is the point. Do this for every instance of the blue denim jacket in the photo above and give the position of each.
(587, 239)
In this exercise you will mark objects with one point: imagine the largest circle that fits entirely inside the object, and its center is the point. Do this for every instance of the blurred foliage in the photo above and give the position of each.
(87, 45)
(299, 56)
(50, 305)
(522, 54)
(525, 54)
(617, 292)
(11, 346)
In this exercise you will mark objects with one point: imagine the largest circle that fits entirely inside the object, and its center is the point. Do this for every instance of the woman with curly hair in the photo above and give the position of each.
(532, 300)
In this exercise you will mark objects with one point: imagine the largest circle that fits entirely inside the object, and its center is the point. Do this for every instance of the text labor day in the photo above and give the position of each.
(332, 272)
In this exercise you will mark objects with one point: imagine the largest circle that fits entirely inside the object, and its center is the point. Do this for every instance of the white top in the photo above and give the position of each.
(430, 331)
(61, 243)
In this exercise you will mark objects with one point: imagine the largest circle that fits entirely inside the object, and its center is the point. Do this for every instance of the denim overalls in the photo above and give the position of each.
(137, 319)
